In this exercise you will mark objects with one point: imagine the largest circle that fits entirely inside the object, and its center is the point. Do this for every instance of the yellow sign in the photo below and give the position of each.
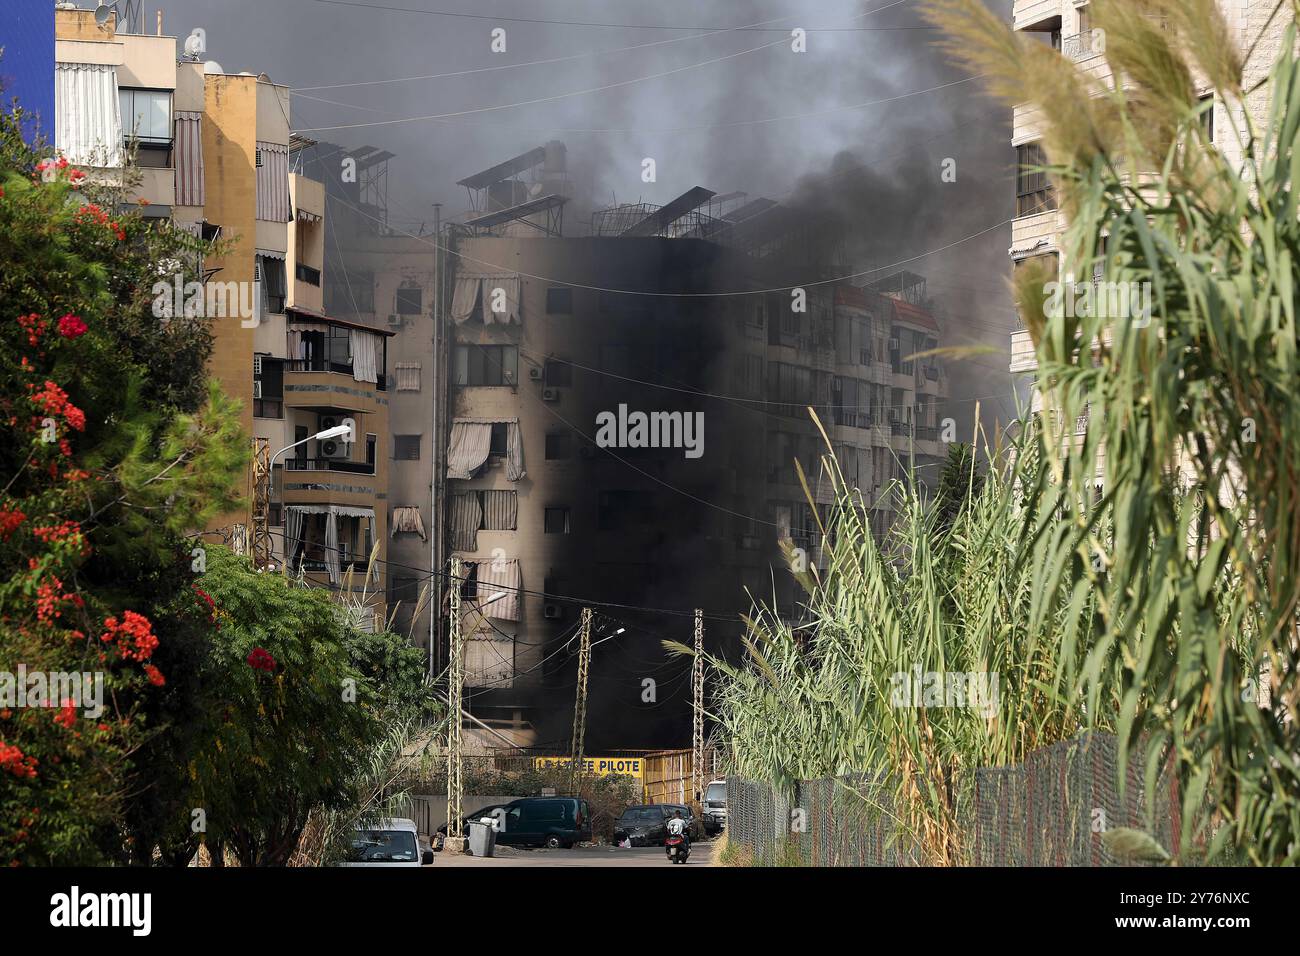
(599, 766)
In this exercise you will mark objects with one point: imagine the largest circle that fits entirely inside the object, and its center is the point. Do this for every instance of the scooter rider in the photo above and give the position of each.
(677, 827)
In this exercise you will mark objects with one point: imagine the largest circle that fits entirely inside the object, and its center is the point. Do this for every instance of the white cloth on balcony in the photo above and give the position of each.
(464, 298)
(470, 444)
(364, 362)
(87, 114)
(500, 576)
(406, 519)
(293, 519)
(514, 452)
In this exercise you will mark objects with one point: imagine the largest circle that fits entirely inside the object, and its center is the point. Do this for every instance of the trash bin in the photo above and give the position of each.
(482, 839)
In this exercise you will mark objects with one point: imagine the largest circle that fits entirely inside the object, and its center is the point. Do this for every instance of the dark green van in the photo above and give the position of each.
(544, 821)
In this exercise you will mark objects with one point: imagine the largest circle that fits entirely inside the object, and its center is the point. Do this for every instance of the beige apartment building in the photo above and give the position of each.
(1067, 24)
(213, 152)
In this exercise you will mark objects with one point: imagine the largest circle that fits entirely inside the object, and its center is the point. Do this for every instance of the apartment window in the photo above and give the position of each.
(559, 300)
(408, 376)
(469, 581)
(270, 272)
(490, 365)
(146, 116)
(410, 300)
(1207, 117)
(268, 388)
(406, 447)
(300, 435)
(558, 373)
(372, 442)
(557, 520)
(559, 445)
(499, 444)
(326, 350)
(1034, 192)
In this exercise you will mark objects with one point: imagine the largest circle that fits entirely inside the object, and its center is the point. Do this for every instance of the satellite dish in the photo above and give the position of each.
(212, 67)
(193, 46)
(102, 13)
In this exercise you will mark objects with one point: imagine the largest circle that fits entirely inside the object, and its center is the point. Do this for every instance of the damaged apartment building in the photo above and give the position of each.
(686, 311)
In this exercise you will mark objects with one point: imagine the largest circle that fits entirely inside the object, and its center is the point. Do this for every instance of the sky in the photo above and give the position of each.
(860, 123)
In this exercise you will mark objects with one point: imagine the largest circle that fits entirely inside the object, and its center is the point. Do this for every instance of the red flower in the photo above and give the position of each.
(134, 636)
(16, 762)
(260, 659)
(71, 326)
(155, 675)
(67, 715)
(9, 522)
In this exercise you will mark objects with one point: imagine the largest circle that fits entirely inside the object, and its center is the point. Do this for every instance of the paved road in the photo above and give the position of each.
(701, 855)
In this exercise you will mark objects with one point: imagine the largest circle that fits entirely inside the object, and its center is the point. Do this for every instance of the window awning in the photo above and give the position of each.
(501, 576)
(407, 520)
(189, 158)
(87, 114)
(273, 182)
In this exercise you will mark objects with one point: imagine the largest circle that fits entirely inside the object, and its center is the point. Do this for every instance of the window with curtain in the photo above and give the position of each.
(87, 114)
(146, 115)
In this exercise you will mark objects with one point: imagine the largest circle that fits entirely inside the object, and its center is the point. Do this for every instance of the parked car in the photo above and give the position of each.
(544, 821)
(392, 842)
(715, 806)
(646, 824)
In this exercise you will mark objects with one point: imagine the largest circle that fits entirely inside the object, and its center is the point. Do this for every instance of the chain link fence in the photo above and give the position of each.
(1049, 811)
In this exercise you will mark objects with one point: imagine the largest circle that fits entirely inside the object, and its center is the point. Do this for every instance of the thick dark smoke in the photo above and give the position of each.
(736, 111)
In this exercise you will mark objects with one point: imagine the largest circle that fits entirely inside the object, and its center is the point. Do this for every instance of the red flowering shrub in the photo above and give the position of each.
(260, 659)
(71, 326)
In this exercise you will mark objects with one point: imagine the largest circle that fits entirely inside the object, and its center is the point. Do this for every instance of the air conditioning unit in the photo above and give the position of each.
(395, 320)
(257, 389)
(553, 611)
(332, 448)
(550, 394)
(328, 421)
(535, 373)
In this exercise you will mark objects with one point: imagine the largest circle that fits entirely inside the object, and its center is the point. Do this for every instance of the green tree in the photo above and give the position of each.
(111, 445)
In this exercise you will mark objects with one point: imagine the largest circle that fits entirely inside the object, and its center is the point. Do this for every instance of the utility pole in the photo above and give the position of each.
(697, 705)
(262, 548)
(455, 705)
(580, 703)
(439, 395)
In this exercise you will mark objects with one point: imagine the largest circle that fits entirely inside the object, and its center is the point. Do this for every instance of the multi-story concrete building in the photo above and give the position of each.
(1258, 26)
(659, 311)
(211, 152)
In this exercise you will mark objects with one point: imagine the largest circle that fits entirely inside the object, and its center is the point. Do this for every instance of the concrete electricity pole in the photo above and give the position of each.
(455, 689)
(697, 705)
(580, 703)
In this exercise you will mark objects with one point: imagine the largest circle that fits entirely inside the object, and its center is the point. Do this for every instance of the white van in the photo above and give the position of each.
(393, 842)
(715, 806)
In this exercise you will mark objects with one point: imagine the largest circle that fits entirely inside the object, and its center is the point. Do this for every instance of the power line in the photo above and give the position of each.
(619, 26)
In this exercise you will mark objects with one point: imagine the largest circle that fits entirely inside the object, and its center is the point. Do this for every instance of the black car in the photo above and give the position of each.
(647, 824)
(488, 811)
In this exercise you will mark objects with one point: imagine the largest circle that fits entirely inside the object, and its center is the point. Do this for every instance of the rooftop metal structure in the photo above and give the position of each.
(552, 206)
(904, 285)
(511, 167)
(660, 219)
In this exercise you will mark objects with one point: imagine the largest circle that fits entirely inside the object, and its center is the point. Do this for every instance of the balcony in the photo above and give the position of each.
(323, 365)
(329, 464)
(1037, 15)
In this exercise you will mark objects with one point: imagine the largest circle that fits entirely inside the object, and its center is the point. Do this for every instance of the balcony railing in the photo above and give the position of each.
(1081, 46)
(329, 464)
(320, 365)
